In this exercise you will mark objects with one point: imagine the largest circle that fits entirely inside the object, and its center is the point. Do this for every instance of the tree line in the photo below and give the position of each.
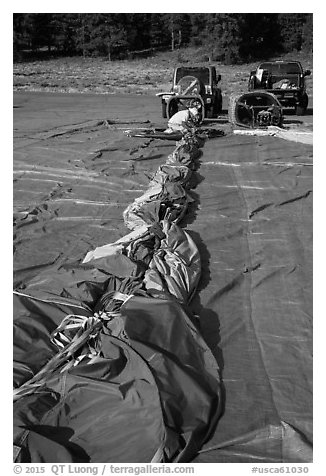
(227, 37)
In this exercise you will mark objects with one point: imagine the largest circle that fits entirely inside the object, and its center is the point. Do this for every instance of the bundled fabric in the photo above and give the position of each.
(172, 173)
(175, 267)
(161, 201)
(109, 341)
(151, 368)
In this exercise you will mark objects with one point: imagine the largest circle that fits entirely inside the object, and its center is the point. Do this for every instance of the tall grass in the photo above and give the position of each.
(141, 76)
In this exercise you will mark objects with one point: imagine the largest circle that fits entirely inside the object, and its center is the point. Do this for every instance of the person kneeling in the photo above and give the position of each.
(184, 121)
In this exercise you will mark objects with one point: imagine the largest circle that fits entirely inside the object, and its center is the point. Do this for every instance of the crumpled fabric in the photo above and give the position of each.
(172, 173)
(84, 415)
(120, 344)
(166, 201)
(166, 197)
(113, 248)
(129, 256)
(176, 266)
(153, 370)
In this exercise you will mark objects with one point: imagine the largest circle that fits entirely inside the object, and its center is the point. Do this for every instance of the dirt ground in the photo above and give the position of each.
(75, 171)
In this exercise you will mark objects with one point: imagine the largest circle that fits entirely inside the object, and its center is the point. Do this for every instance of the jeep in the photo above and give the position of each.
(285, 79)
(193, 85)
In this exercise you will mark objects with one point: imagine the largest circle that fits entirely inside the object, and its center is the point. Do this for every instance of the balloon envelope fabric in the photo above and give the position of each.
(111, 341)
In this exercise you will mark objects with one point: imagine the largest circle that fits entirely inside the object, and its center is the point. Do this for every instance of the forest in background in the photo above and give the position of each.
(230, 38)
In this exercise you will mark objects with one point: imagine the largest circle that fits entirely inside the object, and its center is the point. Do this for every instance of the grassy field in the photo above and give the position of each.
(141, 76)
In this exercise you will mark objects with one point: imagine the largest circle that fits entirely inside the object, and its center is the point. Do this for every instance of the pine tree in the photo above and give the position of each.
(198, 24)
(177, 25)
(307, 34)
(222, 36)
(228, 37)
(260, 35)
(291, 27)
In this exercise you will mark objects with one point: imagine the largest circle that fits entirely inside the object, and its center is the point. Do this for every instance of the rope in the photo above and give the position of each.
(86, 331)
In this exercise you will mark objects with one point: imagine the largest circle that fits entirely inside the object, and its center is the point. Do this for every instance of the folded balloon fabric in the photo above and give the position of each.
(109, 364)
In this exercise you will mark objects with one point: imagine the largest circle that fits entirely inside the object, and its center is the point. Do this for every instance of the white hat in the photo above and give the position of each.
(194, 111)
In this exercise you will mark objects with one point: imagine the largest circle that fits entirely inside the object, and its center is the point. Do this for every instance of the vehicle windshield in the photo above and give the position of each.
(281, 68)
(200, 73)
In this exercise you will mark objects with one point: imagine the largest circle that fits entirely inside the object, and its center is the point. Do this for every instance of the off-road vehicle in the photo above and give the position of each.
(285, 79)
(193, 85)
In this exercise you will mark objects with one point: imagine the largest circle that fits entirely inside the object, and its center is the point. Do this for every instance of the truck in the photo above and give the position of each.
(284, 79)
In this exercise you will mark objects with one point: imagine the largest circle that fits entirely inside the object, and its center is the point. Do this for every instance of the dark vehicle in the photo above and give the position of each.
(255, 109)
(285, 79)
(193, 85)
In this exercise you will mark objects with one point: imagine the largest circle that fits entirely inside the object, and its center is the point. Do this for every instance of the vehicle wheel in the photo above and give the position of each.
(245, 120)
(300, 110)
(164, 114)
(190, 85)
(251, 83)
(231, 109)
(210, 112)
(217, 106)
(173, 108)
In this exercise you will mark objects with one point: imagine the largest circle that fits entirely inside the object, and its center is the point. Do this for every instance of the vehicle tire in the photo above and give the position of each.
(189, 85)
(300, 110)
(172, 108)
(251, 83)
(231, 109)
(217, 105)
(164, 113)
(233, 116)
(210, 112)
